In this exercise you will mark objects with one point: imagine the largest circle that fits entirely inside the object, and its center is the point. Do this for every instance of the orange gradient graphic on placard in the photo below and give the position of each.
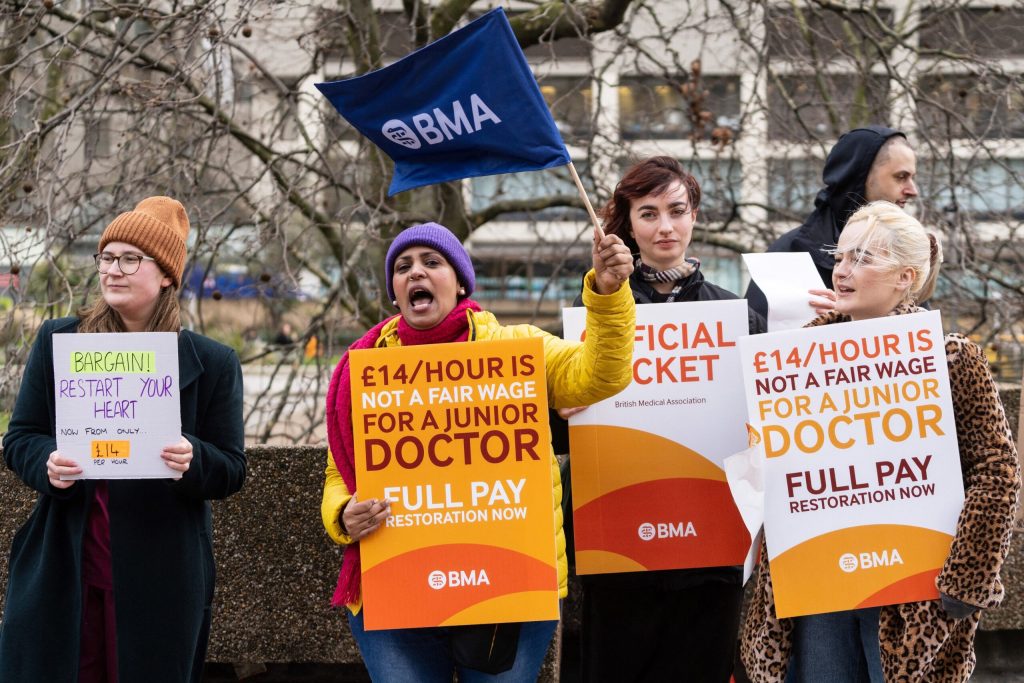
(456, 436)
(865, 566)
(438, 585)
(644, 502)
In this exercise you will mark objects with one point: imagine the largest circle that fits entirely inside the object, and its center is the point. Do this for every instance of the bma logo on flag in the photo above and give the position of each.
(437, 126)
(397, 131)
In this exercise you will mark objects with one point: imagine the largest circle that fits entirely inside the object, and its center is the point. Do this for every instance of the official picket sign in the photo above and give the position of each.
(648, 487)
(117, 402)
(862, 476)
(456, 437)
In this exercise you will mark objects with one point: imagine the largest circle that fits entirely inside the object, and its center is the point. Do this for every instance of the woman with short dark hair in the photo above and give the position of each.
(680, 624)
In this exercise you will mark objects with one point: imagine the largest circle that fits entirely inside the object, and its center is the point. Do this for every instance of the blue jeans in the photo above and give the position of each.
(841, 647)
(424, 654)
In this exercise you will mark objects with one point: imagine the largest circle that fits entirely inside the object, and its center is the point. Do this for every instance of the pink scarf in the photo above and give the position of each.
(455, 327)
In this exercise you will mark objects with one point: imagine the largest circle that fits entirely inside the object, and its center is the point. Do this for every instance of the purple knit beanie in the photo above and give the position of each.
(437, 237)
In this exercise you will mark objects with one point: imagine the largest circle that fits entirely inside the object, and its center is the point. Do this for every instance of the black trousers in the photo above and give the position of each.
(649, 633)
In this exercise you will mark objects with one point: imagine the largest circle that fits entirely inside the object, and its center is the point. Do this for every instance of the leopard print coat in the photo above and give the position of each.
(919, 643)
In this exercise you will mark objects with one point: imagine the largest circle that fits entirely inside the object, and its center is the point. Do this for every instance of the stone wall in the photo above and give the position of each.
(276, 567)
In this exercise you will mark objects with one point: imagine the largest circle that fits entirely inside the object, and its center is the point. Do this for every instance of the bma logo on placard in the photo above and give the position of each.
(436, 126)
(850, 562)
(649, 532)
(457, 578)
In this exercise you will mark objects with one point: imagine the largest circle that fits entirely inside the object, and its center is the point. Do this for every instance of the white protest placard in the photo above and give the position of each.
(117, 402)
(785, 278)
(648, 488)
(862, 475)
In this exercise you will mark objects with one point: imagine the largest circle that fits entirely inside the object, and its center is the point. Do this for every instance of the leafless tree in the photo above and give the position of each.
(106, 102)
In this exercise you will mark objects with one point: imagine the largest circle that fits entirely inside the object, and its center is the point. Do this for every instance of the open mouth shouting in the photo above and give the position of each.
(420, 299)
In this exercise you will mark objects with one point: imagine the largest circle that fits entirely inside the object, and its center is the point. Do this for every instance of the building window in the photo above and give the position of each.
(395, 34)
(721, 267)
(394, 39)
(570, 99)
(975, 31)
(489, 190)
(812, 33)
(990, 189)
(651, 107)
(98, 138)
(563, 48)
(968, 106)
(824, 105)
(792, 185)
(528, 279)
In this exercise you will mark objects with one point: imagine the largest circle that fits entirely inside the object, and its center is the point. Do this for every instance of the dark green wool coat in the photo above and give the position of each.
(159, 530)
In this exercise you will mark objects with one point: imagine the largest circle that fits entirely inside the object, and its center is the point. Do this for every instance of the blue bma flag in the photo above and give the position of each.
(465, 105)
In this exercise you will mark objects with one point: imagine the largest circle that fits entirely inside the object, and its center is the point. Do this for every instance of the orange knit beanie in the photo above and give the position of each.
(159, 227)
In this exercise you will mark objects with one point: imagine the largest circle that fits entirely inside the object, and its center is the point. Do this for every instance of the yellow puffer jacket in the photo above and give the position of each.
(578, 374)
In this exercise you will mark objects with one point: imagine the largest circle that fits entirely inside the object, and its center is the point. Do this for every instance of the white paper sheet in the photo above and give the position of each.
(745, 473)
(785, 278)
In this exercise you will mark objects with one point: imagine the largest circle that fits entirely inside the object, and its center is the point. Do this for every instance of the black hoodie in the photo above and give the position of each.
(845, 176)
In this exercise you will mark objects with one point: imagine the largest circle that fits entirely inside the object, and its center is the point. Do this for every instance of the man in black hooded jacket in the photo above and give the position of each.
(866, 165)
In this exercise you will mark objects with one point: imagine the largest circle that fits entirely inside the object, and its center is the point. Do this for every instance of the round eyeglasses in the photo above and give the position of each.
(128, 264)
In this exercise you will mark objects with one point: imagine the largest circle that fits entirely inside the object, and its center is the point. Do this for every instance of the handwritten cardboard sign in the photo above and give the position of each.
(862, 475)
(456, 436)
(648, 487)
(117, 402)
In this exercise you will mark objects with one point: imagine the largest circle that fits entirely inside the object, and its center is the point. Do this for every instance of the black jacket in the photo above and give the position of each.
(845, 177)
(161, 554)
(694, 288)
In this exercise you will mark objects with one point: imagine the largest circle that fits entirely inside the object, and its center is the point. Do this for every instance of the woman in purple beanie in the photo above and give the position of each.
(430, 278)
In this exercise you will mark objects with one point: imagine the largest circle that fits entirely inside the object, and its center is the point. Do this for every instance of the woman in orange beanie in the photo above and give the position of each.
(113, 580)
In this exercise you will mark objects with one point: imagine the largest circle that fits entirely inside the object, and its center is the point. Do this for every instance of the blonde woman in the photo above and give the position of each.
(885, 263)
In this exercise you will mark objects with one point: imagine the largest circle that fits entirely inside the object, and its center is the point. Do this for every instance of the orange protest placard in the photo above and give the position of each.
(456, 436)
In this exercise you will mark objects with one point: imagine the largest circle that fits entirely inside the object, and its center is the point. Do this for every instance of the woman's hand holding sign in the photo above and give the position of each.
(179, 456)
(359, 519)
(56, 466)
